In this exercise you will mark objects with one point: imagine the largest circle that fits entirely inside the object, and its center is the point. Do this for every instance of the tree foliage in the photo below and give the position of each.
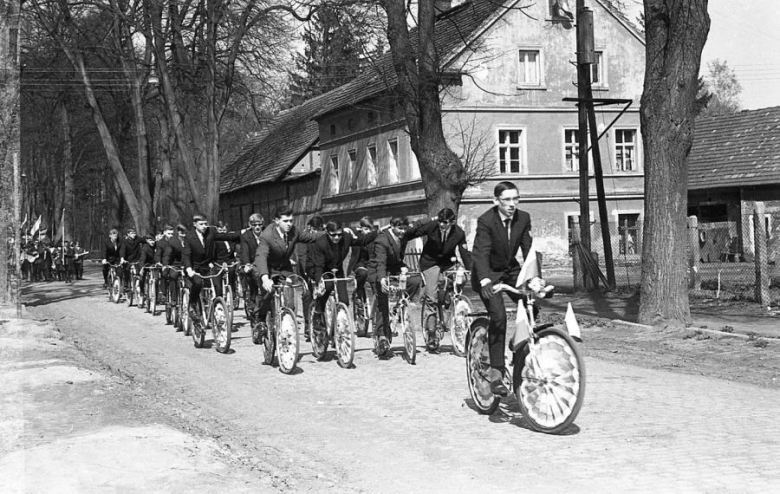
(721, 89)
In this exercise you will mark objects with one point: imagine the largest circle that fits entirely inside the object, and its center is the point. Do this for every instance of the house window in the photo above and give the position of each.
(598, 73)
(571, 150)
(371, 117)
(350, 124)
(529, 69)
(628, 234)
(334, 176)
(625, 150)
(392, 162)
(510, 151)
(371, 165)
(352, 169)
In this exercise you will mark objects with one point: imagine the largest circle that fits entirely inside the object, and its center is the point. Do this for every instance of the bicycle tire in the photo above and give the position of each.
(287, 342)
(197, 330)
(344, 336)
(460, 323)
(478, 366)
(185, 313)
(130, 294)
(140, 303)
(168, 314)
(228, 298)
(319, 344)
(360, 315)
(434, 344)
(269, 340)
(221, 325)
(153, 297)
(550, 393)
(116, 290)
(407, 330)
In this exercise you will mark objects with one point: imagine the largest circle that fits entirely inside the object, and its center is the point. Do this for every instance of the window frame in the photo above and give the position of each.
(522, 145)
(335, 178)
(601, 56)
(636, 145)
(371, 159)
(353, 164)
(523, 83)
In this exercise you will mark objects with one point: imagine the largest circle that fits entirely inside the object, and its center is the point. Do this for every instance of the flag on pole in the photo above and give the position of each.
(571, 324)
(35, 226)
(532, 266)
(522, 328)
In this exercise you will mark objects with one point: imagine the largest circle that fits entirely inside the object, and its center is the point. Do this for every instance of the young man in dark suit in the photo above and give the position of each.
(328, 253)
(161, 246)
(130, 252)
(111, 248)
(276, 247)
(304, 267)
(501, 231)
(246, 253)
(171, 258)
(198, 256)
(388, 259)
(438, 252)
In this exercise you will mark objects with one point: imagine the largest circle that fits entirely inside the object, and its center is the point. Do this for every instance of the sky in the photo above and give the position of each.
(745, 34)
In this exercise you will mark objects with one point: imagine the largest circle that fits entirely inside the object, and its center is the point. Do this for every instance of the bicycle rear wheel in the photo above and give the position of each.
(344, 336)
(197, 329)
(460, 323)
(550, 381)
(478, 367)
(360, 315)
(407, 330)
(221, 325)
(319, 334)
(131, 292)
(287, 341)
(115, 289)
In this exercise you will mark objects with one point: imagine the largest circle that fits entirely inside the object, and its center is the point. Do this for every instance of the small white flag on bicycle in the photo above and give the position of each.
(571, 324)
(522, 328)
(532, 266)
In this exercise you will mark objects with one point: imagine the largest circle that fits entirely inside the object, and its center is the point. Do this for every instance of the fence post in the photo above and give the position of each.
(576, 267)
(760, 250)
(694, 278)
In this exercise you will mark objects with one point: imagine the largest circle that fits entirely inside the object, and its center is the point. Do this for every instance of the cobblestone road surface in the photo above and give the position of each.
(386, 426)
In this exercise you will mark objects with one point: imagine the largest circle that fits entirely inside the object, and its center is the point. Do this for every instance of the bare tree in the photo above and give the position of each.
(676, 31)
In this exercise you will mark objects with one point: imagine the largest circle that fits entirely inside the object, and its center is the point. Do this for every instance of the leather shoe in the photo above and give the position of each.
(259, 331)
(497, 386)
(382, 346)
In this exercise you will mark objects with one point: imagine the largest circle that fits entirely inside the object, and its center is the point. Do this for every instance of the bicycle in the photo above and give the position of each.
(134, 293)
(214, 313)
(183, 302)
(243, 287)
(362, 311)
(281, 339)
(115, 283)
(452, 311)
(172, 303)
(545, 369)
(400, 321)
(339, 325)
(152, 283)
(231, 300)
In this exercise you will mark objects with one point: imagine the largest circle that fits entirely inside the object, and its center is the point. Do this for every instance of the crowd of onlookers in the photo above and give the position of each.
(42, 260)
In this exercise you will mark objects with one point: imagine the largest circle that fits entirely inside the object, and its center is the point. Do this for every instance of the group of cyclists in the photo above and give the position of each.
(260, 253)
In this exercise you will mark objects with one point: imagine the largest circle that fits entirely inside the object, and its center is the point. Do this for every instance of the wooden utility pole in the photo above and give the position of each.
(585, 54)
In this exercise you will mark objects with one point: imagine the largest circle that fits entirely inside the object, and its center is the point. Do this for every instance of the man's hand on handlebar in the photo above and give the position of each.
(190, 272)
(268, 283)
(385, 285)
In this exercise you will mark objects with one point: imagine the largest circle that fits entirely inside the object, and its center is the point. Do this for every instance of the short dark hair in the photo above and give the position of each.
(399, 221)
(256, 217)
(503, 186)
(283, 210)
(366, 222)
(333, 225)
(221, 224)
(167, 227)
(181, 228)
(316, 222)
(114, 231)
(446, 214)
(199, 217)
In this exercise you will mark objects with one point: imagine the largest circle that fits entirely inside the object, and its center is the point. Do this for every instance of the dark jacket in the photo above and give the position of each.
(434, 253)
(159, 249)
(326, 255)
(225, 250)
(388, 257)
(273, 252)
(172, 252)
(130, 250)
(494, 253)
(198, 256)
(111, 251)
(147, 255)
(248, 247)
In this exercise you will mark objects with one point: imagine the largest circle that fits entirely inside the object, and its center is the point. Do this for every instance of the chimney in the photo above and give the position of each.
(442, 6)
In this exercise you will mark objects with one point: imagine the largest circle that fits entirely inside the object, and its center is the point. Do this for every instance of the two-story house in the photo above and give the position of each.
(508, 68)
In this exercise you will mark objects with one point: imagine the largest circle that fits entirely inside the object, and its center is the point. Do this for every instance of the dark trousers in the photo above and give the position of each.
(170, 284)
(70, 272)
(265, 299)
(382, 314)
(26, 270)
(106, 269)
(79, 268)
(251, 292)
(341, 290)
(197, 285)
(361, 275)
(497, 328)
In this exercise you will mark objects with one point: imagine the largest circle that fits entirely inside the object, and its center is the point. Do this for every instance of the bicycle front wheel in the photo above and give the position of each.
(344, 336)
(478, 368)
(184, 318)
(221, 325)
(460, 323)
(139, 299)
(115, 290)
(197, 330)
(269, 340)
(287, 341)
(360, 315)
(406, 328)
(319, 334)
(550, 381)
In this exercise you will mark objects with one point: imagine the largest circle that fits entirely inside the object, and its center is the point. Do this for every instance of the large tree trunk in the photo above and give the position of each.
(443, 174)
(676, 31)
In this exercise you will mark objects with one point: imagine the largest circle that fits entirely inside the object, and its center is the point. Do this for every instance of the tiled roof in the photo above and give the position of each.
(267, 157)
(736, 150)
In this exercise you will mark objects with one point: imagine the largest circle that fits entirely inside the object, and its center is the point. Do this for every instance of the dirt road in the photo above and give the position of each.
(386, 426)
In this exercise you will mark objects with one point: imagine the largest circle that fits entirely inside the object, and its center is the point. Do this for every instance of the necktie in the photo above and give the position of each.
(508, 225)
(443, 236)
(201, 240)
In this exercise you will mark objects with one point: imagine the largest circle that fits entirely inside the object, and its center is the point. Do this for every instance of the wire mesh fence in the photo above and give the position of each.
(726, 259)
